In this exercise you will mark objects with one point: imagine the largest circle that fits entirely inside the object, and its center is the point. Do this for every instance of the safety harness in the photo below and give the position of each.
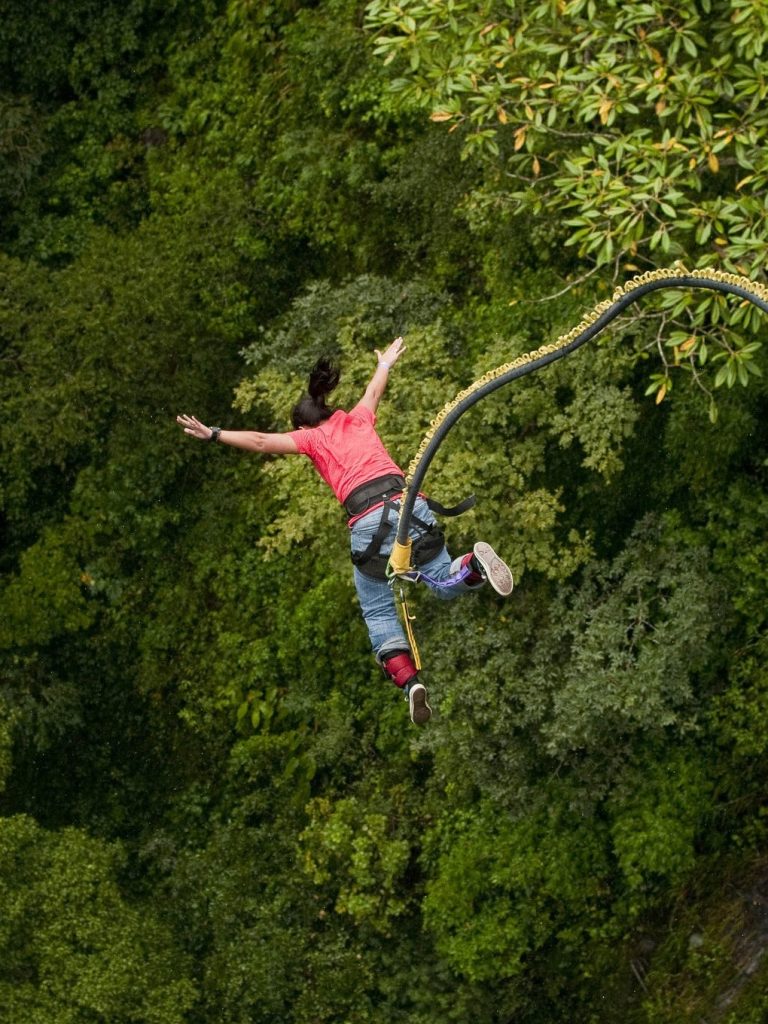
(386, 491)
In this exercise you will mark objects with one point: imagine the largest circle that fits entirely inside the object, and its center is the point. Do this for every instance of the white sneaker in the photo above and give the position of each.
(494, 569)
(421, 712)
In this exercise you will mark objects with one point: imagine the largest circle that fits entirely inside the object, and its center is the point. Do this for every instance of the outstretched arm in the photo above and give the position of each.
(378, 381)
(250, 440)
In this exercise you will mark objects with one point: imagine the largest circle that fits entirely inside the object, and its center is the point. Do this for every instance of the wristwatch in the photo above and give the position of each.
(215, 432)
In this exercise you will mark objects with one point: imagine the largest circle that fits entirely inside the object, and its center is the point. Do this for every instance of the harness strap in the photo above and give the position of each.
(361, 557)
(430, 541)
(372, 563)
(408, 621)
(454, 510)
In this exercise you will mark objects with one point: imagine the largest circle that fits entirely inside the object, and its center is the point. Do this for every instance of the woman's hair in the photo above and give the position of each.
(312, 409)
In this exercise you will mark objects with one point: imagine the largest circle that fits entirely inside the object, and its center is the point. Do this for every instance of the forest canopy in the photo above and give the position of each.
(213, 806)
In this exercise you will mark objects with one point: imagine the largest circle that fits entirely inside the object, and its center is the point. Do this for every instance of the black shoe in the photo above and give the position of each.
(421, 712)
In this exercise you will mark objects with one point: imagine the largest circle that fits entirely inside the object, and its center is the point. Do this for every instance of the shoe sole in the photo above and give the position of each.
(496, 571)
(421, 712)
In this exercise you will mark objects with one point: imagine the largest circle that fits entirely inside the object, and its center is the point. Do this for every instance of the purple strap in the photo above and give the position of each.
(457, 577)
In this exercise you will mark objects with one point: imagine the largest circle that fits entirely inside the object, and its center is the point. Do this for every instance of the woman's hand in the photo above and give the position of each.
(194, 427)
(392, 353)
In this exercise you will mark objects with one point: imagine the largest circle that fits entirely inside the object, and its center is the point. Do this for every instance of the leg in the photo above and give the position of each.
(443, 574)
(447, 578)
(377, 603)
(389, 642)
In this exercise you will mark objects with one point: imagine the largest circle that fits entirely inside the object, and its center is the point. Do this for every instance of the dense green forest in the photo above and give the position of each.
(213, 807)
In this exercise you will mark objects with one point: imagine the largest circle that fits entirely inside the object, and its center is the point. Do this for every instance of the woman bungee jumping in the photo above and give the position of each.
(352, 459)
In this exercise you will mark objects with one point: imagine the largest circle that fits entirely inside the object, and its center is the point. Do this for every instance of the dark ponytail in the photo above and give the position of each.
(312, 408)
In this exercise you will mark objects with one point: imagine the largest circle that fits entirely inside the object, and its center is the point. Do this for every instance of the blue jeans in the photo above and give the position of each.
(377, 599)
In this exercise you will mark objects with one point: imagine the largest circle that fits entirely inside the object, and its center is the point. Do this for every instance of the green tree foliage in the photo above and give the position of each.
(212, 805)
(73, 948)
(517, 891)
(637, 127)
(620, 115)
(82, 82)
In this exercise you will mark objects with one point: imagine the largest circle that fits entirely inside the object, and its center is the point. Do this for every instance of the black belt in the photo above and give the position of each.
(373, 493)
(385, 487)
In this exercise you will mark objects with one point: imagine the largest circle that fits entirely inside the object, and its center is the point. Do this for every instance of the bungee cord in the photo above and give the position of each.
(591, 325)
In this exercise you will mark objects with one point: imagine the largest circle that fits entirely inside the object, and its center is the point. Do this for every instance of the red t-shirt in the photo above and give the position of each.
(346, 450)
